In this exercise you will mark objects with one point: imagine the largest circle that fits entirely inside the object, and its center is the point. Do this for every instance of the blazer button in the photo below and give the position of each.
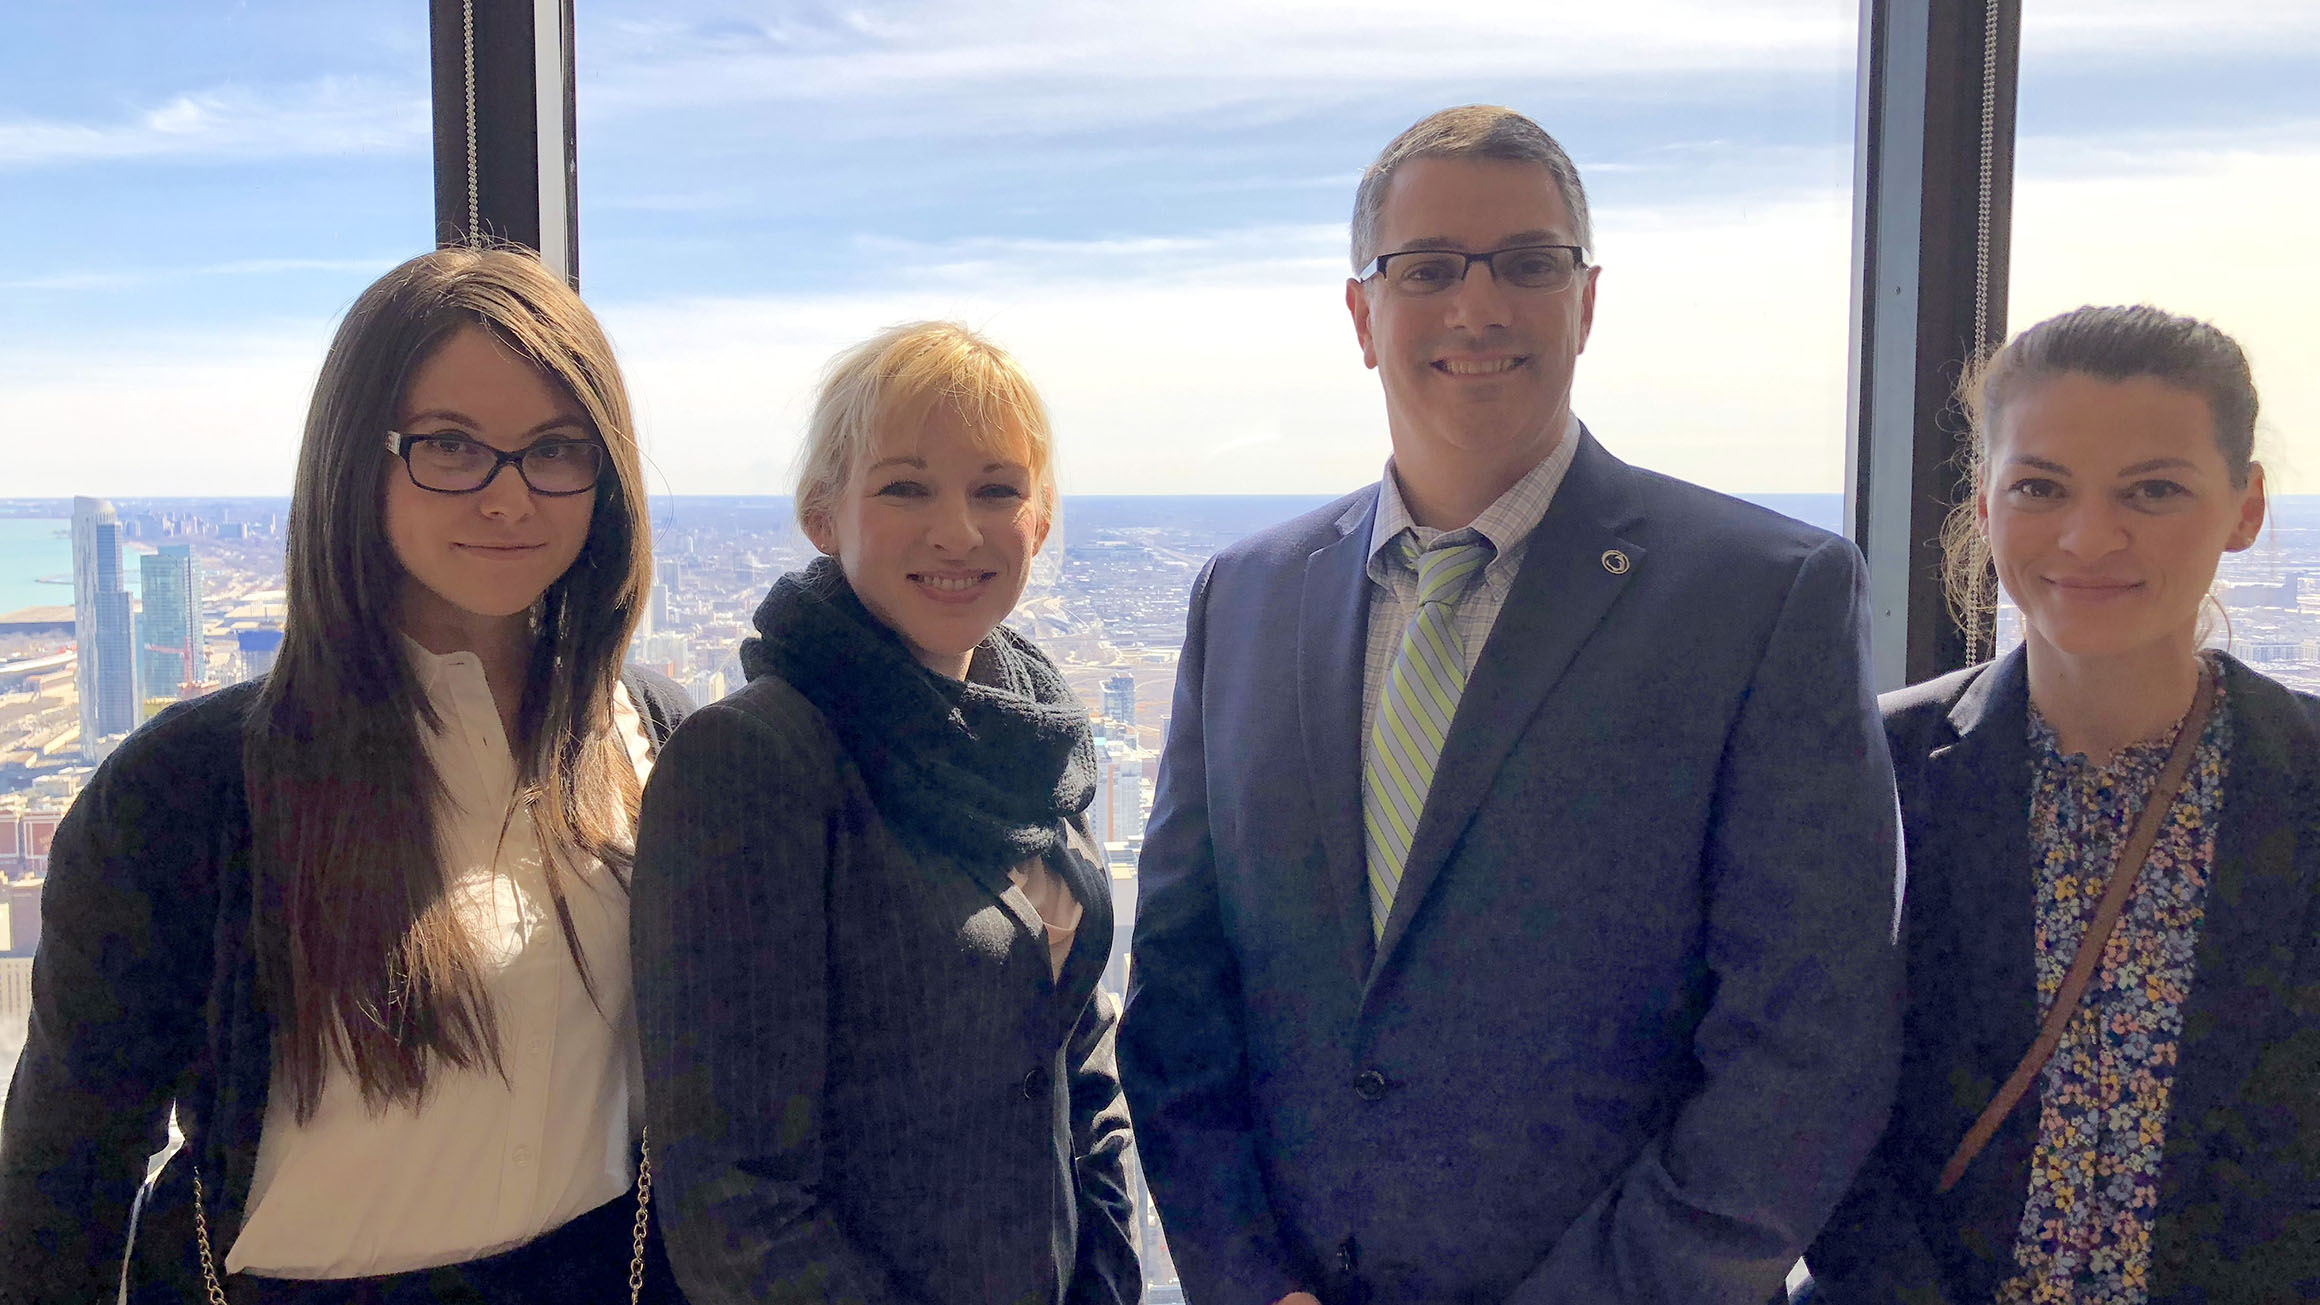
(1369, 1085)
(1034, 1084)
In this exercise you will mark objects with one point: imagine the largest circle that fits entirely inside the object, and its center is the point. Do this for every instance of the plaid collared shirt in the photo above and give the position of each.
(1506, 523)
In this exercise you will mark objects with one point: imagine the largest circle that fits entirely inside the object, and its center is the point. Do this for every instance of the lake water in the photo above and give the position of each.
(32, 550)
(36, 551)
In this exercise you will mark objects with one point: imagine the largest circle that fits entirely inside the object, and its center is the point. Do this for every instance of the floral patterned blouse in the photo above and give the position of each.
(2085, 1236)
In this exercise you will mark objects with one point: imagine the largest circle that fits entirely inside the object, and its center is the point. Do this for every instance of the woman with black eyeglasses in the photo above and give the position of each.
(362, 927)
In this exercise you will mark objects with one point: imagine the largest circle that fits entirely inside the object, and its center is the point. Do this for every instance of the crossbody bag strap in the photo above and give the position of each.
(2098, 933)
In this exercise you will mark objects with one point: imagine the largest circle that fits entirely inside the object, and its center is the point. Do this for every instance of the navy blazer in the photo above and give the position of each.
(1632, 1022)
(2239, 1183)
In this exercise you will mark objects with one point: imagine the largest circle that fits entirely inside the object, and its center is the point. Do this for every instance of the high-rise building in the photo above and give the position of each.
(257, 649)
(1120, 698)
(107, 669)
(171, 647)
(667, 651)
(1117, 814)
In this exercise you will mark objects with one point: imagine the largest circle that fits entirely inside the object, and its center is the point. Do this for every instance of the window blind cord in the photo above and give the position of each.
(1983, 618)
(467, 37)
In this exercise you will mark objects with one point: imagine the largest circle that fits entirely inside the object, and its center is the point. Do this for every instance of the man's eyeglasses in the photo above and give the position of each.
(455, 464)
(1432, 271)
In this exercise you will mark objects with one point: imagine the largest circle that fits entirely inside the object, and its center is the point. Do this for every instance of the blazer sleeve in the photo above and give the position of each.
(118, 988)
(728, 923)
(1105, 1271)
(1799, 1046)
(1873, 1251)
(1183, 1057)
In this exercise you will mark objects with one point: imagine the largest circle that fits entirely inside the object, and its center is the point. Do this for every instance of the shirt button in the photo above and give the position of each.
(1034, 1083)
(536, 1045)
(1369, 1085)
(521, 1157)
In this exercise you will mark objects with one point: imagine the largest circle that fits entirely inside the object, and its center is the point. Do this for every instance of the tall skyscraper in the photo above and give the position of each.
(1117, 814)
(172, 652)
(1120, 698)
(106, 672)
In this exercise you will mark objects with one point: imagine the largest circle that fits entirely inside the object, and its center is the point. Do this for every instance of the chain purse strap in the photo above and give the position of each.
(215, 1289)
(2098, 933)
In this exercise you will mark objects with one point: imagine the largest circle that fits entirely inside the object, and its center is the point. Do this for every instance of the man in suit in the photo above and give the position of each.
(1517, 912)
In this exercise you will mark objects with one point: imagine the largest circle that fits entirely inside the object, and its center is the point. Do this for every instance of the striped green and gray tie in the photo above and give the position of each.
(1413, 717)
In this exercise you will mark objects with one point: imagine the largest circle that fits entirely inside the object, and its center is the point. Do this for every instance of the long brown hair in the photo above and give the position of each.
(360, 953)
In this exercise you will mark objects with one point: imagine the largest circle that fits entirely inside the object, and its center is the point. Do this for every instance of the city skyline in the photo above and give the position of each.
(1110, 611)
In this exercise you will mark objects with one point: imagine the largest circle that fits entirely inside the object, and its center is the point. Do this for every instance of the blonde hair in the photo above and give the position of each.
(899, 375)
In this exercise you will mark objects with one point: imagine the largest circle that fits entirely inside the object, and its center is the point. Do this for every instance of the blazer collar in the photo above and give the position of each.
(1971, 922)
(1080, 863)
(1998, 698)
(1580, 558)
(1332, 647)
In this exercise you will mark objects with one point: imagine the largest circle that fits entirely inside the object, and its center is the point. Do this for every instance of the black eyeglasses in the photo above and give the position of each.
(1432, 271)
(455, 464)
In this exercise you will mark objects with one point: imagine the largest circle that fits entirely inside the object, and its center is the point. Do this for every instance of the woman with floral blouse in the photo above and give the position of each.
(2166, 1144)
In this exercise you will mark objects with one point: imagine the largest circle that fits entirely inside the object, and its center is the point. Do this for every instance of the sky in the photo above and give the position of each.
(1147, 203)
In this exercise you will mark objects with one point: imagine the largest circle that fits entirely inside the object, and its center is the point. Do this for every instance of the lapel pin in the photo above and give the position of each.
(1615, 561)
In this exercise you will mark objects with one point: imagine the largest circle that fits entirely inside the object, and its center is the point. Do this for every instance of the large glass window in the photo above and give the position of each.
(1149, 205)
(190, 194)
(2169, 153)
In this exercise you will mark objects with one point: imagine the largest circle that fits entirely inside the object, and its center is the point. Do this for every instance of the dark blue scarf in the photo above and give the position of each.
(983, 770)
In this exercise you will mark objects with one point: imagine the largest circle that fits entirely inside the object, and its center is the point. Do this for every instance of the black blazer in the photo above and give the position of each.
(2239, 1188)
(145, 927)
(864, 1081)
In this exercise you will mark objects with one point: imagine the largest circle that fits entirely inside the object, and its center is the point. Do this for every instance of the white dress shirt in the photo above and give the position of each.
(483, 1163)
(1507, 523)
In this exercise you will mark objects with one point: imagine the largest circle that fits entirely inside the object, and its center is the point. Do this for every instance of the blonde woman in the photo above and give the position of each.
(870, 918)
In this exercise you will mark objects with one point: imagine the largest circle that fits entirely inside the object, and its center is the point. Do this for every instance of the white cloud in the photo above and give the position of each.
(2226, 237)
(1224, 363)
(124, 277)
(322, 117)
(1718, 354)
(1075, 66)
(2170, 27)
(167, 414)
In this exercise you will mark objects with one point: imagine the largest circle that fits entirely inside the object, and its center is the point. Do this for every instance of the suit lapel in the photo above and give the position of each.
(1973, 833)
(1332, 644)
(2257, 906)
(1560, 595)
(1081, 867)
